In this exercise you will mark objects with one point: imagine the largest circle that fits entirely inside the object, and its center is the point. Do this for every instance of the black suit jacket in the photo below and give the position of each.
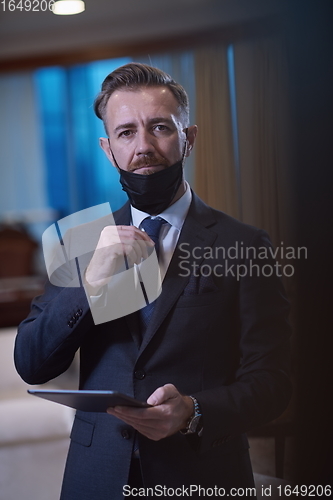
(222, 339)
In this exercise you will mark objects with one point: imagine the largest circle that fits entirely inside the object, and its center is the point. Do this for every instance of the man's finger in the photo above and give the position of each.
(162, 394)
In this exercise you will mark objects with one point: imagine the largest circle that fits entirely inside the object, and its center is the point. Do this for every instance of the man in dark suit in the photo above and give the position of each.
(210, 354)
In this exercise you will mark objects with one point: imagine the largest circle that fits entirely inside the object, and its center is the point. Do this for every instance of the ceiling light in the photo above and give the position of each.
(68, 7)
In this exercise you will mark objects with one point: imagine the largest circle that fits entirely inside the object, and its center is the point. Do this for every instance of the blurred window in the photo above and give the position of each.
(78, 175)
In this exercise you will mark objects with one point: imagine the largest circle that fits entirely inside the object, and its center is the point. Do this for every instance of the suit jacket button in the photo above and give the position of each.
(125, 433)
(70, 323)
(140, 374)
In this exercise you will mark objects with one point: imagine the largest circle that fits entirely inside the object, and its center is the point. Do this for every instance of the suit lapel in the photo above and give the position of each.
(195, 232)
(123, 215)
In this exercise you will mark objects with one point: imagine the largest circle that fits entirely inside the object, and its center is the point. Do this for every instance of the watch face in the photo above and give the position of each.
(194, 423)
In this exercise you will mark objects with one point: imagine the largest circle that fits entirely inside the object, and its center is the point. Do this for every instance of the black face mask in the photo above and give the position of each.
(152, 193)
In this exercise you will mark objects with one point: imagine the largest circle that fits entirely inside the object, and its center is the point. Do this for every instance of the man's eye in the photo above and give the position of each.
(160, 128)
(125, 133)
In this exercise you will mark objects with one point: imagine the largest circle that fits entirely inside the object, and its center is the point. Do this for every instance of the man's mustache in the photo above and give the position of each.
(146, 161)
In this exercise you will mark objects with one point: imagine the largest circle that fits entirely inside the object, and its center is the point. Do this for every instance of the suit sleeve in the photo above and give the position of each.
(261, 388)
(49, 337)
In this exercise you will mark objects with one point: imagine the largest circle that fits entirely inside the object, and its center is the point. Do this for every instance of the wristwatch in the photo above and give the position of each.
(194, 424)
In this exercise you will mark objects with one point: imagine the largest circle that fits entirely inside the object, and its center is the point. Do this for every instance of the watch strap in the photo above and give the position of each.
(193, 425)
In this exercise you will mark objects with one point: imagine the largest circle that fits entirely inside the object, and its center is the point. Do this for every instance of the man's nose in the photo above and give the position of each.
(144, 143)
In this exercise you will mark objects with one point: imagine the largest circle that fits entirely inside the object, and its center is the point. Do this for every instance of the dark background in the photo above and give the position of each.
(311, 73)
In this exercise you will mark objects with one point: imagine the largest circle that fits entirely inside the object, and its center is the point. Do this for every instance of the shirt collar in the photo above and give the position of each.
(175, 214)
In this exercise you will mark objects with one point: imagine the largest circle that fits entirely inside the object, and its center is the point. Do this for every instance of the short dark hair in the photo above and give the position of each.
(132, 76)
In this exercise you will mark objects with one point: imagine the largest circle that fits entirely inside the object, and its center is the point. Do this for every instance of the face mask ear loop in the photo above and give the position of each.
(184, 152)
(115, 161)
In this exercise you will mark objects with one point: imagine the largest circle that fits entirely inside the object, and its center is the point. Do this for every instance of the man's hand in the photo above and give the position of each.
(113, 244)
(169, 413)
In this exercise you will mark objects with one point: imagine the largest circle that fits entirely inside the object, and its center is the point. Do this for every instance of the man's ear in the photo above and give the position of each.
(104, 143)
(190, 138)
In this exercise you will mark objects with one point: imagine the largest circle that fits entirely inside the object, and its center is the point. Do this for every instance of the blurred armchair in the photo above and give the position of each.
(17, 251)
(18, 283)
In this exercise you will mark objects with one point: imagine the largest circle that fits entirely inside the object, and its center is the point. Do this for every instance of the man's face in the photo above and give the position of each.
(146, 130)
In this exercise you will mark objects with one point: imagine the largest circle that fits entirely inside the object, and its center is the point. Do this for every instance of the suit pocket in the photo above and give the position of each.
(82, 431)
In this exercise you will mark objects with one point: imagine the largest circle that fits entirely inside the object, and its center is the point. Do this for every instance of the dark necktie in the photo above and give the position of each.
(152, 226)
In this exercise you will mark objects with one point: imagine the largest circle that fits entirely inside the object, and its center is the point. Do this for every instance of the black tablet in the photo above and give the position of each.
(94, 401)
